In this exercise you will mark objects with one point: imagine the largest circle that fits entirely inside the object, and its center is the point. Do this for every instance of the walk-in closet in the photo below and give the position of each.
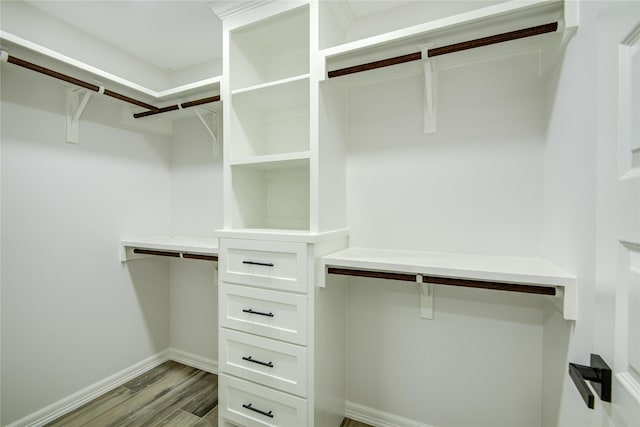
(410, 213)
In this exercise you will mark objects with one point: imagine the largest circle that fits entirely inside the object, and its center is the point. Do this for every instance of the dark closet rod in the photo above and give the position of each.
(449, 281)
(175, 254)
(93, 87)
(178, 106)
(443, 50)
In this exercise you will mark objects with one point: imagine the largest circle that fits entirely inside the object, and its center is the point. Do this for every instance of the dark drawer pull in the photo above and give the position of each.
(251, 408)
(264, 264)
(250, 359)
(251, 311)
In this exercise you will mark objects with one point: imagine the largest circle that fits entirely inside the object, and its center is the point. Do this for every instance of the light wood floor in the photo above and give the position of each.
(171, 394)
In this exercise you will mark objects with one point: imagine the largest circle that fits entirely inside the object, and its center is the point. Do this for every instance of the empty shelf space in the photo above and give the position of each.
(270, 50)
(516, 274)
(170, 246)
(271, 195)
(271, 119)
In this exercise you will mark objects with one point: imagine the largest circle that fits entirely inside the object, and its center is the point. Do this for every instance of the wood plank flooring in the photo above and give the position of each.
(170, 395)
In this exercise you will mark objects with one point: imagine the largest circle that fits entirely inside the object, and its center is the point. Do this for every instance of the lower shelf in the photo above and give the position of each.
(515, 274)
(205, 249)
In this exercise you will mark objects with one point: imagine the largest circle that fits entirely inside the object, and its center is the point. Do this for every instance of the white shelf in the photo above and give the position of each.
(208, 84)
(272, 84)
(274, 161)
(487, 21)
(177, 244)
(503, 269)
(278, 95)
(283, 235)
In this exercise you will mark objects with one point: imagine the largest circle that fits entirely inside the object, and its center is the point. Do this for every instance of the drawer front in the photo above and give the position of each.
(274, 265)
(272, 314)
(249, 404)
(272, 363)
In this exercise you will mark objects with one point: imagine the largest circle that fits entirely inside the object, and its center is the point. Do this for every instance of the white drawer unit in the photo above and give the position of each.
(269, 362)
(275, 265)
(249, 404)
(272, 314)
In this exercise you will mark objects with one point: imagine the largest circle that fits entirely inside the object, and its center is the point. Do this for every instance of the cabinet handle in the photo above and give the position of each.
(251, 408)
(251, 311)
(250, 359)
(264, 264)
(599, 374)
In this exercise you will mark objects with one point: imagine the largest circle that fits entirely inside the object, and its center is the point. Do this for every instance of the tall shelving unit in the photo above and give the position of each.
(268, 158)
(277, 329)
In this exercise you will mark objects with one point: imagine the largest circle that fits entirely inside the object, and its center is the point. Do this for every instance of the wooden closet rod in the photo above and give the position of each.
(46, 71)
(178, 106)
(449, 281)
(443, 50)
(152, 109)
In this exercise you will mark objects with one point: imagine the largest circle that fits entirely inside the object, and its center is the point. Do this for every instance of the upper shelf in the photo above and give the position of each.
(485, 22)
(18, 46)
(502, 269)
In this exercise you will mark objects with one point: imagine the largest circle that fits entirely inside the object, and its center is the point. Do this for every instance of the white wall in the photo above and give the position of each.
(72, 314)
(196, 206)
(569, 211)
(474, 186)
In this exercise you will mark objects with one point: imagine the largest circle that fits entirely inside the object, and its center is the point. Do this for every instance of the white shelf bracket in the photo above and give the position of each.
(558, 300)
(75, 108)
(429, 93)
(426, 298)
(214, 138)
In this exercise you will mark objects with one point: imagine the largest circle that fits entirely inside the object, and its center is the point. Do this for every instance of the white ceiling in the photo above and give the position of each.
(170, 34)
(361, 8)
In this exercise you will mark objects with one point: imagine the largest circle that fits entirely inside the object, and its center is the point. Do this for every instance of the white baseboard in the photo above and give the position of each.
(375, 417)
(193, 360)
(74, 401)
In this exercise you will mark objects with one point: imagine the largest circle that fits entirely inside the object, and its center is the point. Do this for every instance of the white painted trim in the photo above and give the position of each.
(226, 9)
(630, 384)
(367, 415)
(79, 398)
(193, 360)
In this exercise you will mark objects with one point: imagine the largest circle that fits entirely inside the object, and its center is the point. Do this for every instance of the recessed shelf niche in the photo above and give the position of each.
(271, 50)
(271, 119)
(271, 195)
